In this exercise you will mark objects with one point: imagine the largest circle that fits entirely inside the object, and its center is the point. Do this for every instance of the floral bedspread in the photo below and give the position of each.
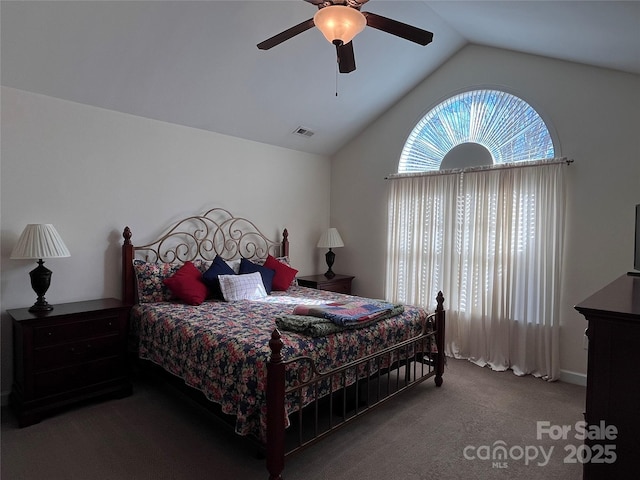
(222, 348)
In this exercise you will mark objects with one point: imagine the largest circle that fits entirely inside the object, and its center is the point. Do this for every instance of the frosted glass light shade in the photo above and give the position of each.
(339, 24)
(330, 239)
(40, 240)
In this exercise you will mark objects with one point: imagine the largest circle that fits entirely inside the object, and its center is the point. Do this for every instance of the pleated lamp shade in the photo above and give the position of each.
(330, 239)
(39, 240)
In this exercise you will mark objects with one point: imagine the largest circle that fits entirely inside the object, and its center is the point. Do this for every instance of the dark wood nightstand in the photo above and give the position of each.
(339, 283)
(74, 352)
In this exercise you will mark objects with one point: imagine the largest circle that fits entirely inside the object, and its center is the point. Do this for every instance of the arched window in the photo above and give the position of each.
(490, 238)
(478, 127)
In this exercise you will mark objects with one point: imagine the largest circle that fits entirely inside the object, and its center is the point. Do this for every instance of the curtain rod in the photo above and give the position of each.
(500, 166)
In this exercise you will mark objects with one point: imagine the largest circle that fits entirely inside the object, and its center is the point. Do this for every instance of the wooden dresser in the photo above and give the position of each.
(74, 352)
(613, 377)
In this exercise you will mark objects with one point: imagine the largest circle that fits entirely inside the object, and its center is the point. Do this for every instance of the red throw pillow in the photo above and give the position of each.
(187, 285)
(284, 273)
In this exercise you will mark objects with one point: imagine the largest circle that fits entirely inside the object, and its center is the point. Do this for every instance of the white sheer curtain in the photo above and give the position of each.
(492, 241)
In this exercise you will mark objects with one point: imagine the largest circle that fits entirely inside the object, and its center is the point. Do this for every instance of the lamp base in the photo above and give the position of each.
(41, 306)
(330, 257)
(40, 281)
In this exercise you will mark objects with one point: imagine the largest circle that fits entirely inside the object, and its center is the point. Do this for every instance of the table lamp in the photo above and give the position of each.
(40, 240)
(330, 239)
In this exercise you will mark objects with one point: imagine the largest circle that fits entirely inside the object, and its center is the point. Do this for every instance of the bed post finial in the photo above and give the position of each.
(440, 326)
(128, 289)
(275, 344)
(126, 234)
(440, 301)
(285, 243)
(275, 408)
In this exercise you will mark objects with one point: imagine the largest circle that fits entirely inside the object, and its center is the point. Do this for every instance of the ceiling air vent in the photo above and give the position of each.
(303, 132)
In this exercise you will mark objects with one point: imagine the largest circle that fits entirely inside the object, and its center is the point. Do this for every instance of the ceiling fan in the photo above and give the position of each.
(340, 21)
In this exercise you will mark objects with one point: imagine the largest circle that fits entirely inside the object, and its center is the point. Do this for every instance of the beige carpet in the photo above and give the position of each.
(423, 434)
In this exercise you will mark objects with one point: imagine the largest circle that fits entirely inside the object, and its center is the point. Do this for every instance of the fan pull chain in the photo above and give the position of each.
(336, 79)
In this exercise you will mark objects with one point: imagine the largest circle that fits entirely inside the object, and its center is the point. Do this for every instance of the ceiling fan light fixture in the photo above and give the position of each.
(339, 24)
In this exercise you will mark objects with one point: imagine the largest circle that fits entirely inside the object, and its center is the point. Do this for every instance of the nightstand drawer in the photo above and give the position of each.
(77, 352)
(68, 332)
(338, 283)
(77, 376)
(339, 287)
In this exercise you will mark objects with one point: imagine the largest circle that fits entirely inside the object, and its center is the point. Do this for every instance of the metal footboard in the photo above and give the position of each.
(359, 386)
(341, 395)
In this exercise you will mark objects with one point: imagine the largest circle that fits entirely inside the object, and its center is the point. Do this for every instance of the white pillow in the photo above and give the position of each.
(247, 286)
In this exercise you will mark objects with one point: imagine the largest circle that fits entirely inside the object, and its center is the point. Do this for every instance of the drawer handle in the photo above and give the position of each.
(73, 350)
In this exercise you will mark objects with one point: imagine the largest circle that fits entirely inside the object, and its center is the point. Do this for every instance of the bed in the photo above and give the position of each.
(287, 364)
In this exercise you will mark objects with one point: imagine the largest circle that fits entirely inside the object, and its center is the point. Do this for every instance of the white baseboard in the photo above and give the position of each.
(573, 377)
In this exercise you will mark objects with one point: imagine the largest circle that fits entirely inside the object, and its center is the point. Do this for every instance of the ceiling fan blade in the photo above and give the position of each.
(286, 35)
(346, 58)
(399, 29)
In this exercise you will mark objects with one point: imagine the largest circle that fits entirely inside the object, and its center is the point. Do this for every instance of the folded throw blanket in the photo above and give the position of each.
(318, 327)
(346, 313)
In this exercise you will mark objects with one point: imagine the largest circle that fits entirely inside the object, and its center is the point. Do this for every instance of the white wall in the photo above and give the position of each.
(91, 172)
(595, 114)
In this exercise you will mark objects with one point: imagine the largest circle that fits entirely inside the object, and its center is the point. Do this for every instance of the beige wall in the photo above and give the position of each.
(595, 115)
(91, 172)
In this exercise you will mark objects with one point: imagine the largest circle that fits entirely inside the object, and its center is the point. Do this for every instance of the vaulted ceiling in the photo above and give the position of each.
(196, 63)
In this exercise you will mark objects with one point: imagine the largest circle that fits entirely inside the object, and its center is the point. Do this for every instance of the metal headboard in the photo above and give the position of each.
(216, 232)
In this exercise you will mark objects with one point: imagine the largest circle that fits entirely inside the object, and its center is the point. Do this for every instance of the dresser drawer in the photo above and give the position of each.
(66, 379)
(67, 354)
(67, 332)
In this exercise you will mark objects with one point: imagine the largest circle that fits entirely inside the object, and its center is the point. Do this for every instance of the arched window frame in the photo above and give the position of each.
(425, 152)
